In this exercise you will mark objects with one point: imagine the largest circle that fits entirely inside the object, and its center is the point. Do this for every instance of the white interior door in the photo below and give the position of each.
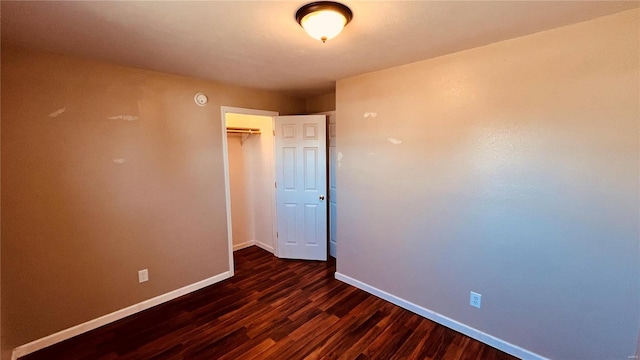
(301, 184)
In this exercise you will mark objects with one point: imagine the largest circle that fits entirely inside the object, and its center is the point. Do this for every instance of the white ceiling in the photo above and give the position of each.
(259, 44)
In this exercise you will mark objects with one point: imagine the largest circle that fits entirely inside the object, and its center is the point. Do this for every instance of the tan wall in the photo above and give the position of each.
(77, 226)
(321, 103)
(516, 177)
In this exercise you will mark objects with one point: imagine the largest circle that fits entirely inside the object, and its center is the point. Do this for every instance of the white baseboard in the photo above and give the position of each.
(243, 245)
(252, 243)
(264, 246)
(443, 320)
(114, 316)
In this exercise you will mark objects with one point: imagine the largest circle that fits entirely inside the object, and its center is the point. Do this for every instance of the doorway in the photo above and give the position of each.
(249, 178)
(332, 161)
(257, 207)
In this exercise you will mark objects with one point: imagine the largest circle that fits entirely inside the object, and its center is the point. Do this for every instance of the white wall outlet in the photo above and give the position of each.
(475, 300)
(143, 275)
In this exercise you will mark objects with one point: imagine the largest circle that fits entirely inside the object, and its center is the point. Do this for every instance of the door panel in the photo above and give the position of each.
(301, 181)
(310, 160)
(289, 168)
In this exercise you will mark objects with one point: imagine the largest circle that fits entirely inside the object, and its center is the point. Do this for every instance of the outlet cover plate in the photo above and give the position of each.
(143, 275)
(475, 299)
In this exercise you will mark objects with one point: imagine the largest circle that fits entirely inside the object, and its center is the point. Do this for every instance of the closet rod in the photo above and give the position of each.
(245, 132)
(238, 130)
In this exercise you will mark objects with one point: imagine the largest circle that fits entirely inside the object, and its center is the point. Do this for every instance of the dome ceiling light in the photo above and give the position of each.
(323, 20)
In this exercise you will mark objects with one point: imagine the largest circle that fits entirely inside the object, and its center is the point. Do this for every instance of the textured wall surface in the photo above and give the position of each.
(107, 170)
(510, 170)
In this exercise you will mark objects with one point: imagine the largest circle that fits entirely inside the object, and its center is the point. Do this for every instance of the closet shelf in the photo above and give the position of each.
(242, 130)
(245, 132)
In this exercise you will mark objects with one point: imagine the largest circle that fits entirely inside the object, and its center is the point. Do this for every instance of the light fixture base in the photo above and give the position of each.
(324, 5)
(323, 20)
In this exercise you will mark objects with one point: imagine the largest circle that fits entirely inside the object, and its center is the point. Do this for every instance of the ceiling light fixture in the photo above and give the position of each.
(323, 20)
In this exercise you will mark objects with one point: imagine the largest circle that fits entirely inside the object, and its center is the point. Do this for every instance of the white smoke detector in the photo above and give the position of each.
(201, 99)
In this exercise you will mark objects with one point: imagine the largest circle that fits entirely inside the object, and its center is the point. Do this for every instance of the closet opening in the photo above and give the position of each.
(248, 146)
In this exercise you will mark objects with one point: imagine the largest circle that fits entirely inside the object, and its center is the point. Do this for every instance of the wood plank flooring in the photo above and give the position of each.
(274, 309)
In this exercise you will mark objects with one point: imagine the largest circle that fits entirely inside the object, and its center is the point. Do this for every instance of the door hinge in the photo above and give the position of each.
(277, 234)
(274, 133)
(276, 184)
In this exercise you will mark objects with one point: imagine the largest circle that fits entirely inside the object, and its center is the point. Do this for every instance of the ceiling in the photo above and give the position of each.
(258, 44)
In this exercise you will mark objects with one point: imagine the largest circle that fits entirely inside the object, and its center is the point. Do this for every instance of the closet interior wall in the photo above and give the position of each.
(251, 174)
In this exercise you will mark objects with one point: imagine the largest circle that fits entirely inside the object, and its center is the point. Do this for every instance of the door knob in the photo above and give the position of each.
(321, 197)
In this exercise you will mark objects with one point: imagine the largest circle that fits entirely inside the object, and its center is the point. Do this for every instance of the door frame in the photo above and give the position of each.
(224, 110)
(328, 114)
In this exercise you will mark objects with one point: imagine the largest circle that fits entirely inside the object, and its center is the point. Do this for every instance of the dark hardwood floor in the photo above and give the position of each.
(273, 309)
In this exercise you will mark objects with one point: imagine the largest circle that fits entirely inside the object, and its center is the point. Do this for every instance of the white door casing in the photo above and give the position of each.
(301, 181)
(333, 191)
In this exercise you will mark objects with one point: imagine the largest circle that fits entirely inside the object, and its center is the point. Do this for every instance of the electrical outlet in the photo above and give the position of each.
(475, 300)
(143, 275)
